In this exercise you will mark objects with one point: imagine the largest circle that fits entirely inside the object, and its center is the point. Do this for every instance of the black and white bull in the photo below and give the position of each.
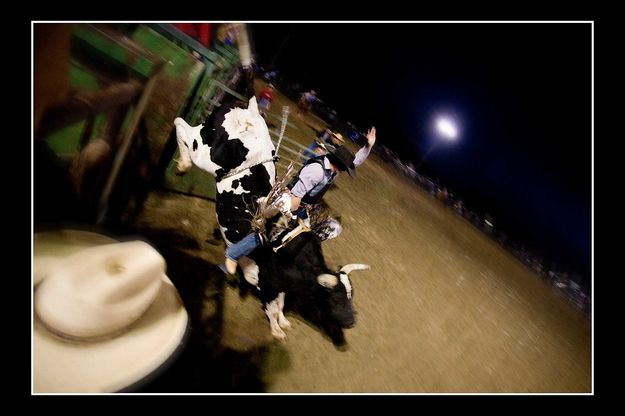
(320, 295)
(235, 147)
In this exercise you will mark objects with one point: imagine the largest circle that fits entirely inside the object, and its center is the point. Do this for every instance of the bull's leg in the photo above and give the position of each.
(282, 321)
(250, 270)
(272, 311)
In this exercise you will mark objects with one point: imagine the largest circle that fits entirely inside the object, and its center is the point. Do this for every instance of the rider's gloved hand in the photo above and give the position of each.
(284, 204)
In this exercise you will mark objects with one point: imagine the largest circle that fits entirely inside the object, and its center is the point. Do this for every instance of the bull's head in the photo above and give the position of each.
(339, 294)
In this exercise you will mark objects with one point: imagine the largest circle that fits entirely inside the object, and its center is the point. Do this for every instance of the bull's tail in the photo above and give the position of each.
(183, 132)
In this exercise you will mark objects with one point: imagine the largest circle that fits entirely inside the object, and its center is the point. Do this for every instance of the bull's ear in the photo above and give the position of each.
(348, 268)
(253, 105)
(327, 280)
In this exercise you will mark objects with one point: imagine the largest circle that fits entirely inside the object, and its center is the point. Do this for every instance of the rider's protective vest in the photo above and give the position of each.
(315, 195)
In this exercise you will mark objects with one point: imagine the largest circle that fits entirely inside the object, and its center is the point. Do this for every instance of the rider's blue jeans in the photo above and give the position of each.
(243, 247)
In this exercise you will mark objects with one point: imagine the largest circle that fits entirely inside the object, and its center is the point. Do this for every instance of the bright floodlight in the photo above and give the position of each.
(447, 128)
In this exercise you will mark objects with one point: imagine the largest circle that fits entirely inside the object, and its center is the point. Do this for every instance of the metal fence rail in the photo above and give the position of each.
(290, 151)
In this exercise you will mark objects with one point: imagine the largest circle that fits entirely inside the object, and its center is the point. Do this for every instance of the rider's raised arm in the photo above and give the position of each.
(362, 154)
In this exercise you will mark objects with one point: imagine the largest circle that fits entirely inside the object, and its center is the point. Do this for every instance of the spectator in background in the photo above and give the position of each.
(317, 147)
(271, 76)
(227, 34)
(442, 195)
(353, 134)
(306, 101)
(265, 98)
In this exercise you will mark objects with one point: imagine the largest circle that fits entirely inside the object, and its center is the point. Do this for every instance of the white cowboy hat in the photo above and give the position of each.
(339, 137)
(105, 314)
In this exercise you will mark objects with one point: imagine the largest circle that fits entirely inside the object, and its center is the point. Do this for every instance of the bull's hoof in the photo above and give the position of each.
(279, 335)
(284, 323)
(342, 347)
(251, 279)
(338, 338)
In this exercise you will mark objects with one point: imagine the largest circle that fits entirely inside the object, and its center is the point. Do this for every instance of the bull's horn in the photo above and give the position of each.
(348, 286)
(327, 280)
(348, 268)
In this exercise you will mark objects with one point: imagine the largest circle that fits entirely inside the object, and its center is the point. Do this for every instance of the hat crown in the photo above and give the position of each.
(100, 290)
(344, 156)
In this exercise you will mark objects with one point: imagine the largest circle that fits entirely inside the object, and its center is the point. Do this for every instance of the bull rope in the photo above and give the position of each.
(259, 219)
(285, 115)
(234, 172)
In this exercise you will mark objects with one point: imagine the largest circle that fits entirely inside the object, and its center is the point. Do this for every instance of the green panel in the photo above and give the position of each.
(234, 52)
(180, 61)
(67, 139)
(231, 54)
(198, 99)
(175, 87)
(195, 181)
(82, 80)
(109, 49)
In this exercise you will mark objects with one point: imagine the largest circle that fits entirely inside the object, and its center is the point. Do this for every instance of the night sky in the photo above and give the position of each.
(520, 91)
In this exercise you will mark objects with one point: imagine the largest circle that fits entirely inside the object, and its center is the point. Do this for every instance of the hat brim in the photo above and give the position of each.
(338, 137)
(332, 150)
(321, 144)
(350, 171)
(110, 365)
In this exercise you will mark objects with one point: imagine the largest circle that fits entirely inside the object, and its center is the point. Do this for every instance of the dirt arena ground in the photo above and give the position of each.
(443, 308)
